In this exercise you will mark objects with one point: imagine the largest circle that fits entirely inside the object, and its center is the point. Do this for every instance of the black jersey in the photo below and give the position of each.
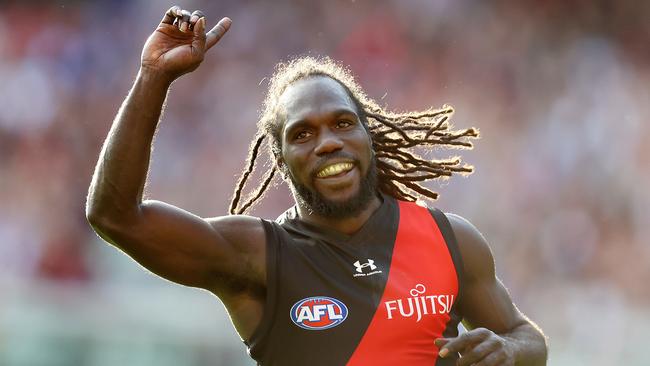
(377, 297)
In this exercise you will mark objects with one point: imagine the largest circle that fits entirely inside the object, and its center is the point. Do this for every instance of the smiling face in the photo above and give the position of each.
(326, 150)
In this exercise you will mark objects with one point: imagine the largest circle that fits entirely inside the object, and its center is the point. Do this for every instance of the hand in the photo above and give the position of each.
(478, 347)
(179, 43)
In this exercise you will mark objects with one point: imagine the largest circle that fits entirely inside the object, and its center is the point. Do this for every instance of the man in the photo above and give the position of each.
(354, 273)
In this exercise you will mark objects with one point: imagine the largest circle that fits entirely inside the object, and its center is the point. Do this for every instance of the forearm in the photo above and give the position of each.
(121, 171)
(529, 345)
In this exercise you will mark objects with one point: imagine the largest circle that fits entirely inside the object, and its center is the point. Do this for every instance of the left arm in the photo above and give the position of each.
(499, 333)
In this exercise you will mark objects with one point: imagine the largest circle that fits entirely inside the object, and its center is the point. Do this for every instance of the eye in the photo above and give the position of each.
(301, 135)
(343, 124)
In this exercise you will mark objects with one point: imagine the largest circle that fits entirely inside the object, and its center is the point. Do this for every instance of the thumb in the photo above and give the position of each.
(215, 34)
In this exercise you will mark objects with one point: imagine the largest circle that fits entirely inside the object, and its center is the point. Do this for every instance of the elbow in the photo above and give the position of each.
(106, 218)
(110, 215)
(99, 221)
(107, 225)
(94, 218)
(95, 214)
(92, 213)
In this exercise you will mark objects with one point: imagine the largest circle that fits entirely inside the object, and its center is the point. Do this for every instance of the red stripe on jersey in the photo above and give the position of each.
(421, 288)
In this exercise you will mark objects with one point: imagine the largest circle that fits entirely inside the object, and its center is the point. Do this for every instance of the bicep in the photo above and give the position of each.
(485, 301)
(182, 247)
(487, 304)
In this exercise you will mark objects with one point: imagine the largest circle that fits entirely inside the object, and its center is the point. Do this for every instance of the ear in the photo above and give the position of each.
(282, 167)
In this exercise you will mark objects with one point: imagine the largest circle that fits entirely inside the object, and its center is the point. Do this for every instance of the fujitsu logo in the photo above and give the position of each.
(419, 304)
(369, 266)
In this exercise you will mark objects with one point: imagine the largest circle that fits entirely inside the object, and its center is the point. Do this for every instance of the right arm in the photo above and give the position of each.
(218, 254)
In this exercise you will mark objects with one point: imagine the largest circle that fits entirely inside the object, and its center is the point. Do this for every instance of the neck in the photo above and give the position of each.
(348, 226)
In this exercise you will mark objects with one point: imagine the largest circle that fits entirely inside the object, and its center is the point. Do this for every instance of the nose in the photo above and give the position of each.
(328, 142)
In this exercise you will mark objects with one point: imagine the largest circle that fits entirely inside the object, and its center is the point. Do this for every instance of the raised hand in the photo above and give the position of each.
(478, 347)
(179, 43)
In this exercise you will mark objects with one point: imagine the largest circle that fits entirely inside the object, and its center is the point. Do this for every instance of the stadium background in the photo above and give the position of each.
(559, 89)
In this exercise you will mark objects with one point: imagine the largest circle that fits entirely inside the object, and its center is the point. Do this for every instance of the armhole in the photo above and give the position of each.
(258, 341)
(450, 239)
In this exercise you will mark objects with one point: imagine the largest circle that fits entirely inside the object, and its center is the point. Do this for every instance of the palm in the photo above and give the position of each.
(175, 52)
(168, 49)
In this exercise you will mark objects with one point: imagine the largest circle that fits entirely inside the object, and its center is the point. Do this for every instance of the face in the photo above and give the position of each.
(326, 151)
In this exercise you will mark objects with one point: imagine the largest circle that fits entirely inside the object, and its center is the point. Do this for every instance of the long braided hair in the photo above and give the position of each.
(396, 137)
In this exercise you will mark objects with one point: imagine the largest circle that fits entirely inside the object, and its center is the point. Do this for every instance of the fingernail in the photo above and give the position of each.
(194, 19)
(443, 352)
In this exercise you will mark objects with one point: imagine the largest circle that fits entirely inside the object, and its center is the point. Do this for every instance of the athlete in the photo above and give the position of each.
(356, 272)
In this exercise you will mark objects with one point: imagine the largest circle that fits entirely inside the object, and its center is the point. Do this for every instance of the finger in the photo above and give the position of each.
(170, 15)
(196, 15)
(199, 35)
(215, 34)
(477, 353)
(441, 341)
(463, 341)
(185, 20)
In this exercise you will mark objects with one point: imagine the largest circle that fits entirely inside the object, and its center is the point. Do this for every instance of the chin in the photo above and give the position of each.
(343, 205)
(341, 196)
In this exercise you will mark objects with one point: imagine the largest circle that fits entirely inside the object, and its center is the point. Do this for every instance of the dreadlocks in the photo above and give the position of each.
(396, 137)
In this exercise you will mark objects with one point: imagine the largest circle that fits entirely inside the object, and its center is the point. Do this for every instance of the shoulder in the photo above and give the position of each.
(237, 225)
(478, 261)
(246, 234)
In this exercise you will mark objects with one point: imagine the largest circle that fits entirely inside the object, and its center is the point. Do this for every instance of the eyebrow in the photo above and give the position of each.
(294, 124)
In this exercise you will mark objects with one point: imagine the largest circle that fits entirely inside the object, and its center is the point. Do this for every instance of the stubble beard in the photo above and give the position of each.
(318, 204)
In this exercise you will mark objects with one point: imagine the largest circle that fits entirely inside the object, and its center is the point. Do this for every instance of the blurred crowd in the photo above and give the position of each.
(560, 91)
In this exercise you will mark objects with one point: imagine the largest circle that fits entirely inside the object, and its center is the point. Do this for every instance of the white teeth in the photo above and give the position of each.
(334, 169)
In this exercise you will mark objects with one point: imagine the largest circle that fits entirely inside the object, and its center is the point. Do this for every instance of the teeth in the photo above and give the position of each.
(334, 169)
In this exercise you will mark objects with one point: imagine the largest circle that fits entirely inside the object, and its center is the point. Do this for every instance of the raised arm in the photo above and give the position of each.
(499, 334)
(224, 255)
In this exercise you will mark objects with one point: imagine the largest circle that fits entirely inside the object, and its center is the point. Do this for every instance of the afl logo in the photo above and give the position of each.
(318, 313)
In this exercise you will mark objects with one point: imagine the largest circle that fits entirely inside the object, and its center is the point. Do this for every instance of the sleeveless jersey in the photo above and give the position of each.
(378, 297)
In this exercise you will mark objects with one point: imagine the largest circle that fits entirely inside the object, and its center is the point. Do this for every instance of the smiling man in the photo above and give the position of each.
(326, 150)
(355, 273)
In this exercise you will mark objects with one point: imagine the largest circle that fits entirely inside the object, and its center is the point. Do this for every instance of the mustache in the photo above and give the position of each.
(325, 159)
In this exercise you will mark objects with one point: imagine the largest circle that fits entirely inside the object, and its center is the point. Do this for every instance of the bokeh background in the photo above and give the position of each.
(559, 89)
